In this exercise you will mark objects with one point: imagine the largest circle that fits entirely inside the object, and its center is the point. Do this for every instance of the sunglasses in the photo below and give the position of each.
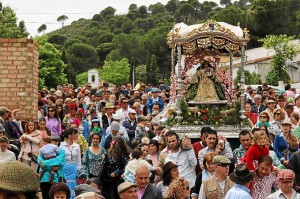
(51, 111)
(125, 102)
(263, 116)
(277, 113)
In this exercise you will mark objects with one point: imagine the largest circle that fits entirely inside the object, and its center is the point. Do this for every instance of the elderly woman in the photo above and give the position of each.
(279, 116)
(178, 189)
(258, 107)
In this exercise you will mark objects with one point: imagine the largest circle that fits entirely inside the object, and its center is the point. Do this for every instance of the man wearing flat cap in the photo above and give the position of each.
(286, 181)
(18, 181)
(127, 190)
(242, 178)
(219, 184)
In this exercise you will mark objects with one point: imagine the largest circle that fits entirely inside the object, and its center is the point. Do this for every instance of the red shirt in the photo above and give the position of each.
(253, 154)
(197, 147)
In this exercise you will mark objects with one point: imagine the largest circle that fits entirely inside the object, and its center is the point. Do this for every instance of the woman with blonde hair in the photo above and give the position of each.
(279, 116)
(178, 189)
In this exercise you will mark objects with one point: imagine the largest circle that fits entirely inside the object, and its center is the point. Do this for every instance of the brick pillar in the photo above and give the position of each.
(19, 76)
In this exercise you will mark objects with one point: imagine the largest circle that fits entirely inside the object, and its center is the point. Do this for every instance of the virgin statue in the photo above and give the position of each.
(208, 89)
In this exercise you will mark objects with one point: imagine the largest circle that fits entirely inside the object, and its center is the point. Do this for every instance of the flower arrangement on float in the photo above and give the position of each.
(206, 115)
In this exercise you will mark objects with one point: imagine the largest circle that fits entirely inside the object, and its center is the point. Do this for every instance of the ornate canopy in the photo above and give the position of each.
(212, 34)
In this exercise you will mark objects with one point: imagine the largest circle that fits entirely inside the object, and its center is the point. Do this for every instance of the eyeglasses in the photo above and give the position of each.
(51, 111)
(280, 100)
(262, 129)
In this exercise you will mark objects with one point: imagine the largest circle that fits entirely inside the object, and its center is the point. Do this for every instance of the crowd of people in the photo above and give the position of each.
(104, 143)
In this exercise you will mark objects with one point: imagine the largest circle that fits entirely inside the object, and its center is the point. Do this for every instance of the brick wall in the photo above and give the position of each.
(19, 76)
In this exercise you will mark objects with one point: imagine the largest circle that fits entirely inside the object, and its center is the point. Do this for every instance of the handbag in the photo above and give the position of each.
(31, 155)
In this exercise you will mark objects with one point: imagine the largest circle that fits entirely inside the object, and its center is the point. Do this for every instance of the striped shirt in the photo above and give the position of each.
(262, 187)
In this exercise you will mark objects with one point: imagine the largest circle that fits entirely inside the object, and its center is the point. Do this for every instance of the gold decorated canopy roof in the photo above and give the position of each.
(218, 35)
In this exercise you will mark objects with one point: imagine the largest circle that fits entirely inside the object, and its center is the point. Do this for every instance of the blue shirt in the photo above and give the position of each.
(238, 191)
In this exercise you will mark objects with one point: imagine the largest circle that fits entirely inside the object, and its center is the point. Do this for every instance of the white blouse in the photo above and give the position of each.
(72, 152)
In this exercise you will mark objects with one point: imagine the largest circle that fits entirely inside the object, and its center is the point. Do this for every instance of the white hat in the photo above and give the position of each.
(58, 93)
(131, 111)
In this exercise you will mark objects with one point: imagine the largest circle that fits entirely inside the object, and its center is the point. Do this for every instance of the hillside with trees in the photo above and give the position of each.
(138, 38)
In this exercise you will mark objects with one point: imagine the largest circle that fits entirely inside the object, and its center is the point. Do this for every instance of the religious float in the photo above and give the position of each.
(201, 82)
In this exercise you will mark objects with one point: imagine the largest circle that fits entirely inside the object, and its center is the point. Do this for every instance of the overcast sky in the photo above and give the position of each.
(38, 12)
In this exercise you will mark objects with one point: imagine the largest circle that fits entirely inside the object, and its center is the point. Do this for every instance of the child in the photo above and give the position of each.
(48, 151)
(95, 126)
(258, 149)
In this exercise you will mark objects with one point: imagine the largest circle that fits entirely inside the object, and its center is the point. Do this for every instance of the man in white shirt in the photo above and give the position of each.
(286, 181)
(5, 155)
(183, 156)
(123, 111)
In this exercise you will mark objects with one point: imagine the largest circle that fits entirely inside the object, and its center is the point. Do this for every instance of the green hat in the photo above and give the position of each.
(221, 159)
(141, 118)
(18, 177)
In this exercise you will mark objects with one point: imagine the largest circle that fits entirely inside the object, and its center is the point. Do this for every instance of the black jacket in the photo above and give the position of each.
(152, 192)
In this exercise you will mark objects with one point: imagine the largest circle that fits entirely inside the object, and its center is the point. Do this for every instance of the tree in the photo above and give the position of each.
(62, 19)
(171, 6)
(143, 11)
(82, 57)
(51, 67)
(250, 78)
(140, 73)
(115, 72)
(284, 50)
(108, 12)
(225, 2)
(157, 8)
(42, 28)
(8, 24)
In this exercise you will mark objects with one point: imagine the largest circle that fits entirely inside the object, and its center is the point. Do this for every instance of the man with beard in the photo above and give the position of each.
(183, 156)
(212, 141)
(264, 180)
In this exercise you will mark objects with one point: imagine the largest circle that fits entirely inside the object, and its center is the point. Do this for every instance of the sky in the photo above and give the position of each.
(37, 12)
